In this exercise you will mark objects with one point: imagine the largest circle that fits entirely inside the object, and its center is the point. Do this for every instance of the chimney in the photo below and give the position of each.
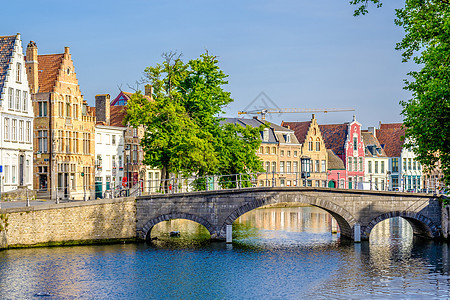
(32, 67)
(313, 116)
(149, 90)
(372, 131)
(102, 107)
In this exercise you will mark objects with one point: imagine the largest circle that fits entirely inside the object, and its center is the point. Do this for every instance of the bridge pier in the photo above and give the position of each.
(229, 234)
(357, 233)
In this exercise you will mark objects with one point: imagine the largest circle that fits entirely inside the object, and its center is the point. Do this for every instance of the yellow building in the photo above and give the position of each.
(63, 128)
(314, 157)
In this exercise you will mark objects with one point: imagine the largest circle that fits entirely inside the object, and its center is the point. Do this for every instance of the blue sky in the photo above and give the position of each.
(302, 54)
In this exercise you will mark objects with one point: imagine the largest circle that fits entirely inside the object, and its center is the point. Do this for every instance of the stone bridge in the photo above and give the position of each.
(356, 211)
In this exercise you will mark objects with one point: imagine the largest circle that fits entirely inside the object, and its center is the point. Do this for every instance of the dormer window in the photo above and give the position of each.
(266, 135)
(287, 137)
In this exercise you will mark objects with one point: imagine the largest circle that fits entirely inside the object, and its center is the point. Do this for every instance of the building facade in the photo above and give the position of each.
(405, 171)
(346, 142)
(313, 152)
(376, 162)
(16, 117)
(64, 127)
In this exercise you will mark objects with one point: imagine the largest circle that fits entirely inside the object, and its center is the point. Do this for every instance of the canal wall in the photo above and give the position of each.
(446, 222)
(68, 223)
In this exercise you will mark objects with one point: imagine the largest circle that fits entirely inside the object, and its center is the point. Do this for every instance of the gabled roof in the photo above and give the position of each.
(391, 139)
(300, 129)
(334, 162)
(117, 114)
(6, 50)
(372, 145)
(49, 66)
(255, 123)
(125, 96)
(334, 136)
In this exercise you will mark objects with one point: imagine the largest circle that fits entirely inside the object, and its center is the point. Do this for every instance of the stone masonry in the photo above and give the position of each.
(107, 219)
(217, 209)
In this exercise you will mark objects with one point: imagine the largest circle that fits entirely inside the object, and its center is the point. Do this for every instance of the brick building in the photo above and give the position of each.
(63, 128)
(313, 152)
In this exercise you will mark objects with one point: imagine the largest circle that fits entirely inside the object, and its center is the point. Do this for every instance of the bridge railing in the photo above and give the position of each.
(178, 184)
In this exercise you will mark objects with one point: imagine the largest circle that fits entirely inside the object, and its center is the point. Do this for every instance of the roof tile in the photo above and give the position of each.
(6, 50)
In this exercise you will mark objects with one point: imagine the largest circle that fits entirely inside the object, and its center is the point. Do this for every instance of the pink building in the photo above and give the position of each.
(346, 142)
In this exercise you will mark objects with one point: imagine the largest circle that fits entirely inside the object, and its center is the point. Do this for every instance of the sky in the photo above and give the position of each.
(299, 53)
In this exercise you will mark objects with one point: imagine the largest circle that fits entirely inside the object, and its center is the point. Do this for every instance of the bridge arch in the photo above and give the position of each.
(421, 225)
(344, 219)
(147, 229)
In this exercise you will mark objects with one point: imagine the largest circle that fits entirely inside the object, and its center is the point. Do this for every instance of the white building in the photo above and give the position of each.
(376, 162)
(109, 159)
(405, 172)
(16, 117)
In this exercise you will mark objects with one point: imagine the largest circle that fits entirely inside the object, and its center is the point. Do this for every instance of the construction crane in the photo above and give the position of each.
(265, 111)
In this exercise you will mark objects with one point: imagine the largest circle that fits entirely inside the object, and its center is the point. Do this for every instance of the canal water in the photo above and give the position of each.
(278, 253)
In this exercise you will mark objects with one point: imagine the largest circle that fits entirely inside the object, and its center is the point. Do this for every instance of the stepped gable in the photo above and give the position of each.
(391, 138)
(300, 129)
(334, 162)
(335, 136)
(6, 50)
(49, 66)
(117, 114)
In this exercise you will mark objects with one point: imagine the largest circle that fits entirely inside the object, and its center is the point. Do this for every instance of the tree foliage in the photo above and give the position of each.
(183, 134)
(427, 113)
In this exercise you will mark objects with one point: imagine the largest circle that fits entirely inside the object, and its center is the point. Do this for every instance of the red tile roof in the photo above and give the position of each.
(117, 114)
(49, 66)
(391, 137)
(334, 162)
(334, 136)
(372, 143)
(300, 129)
(6, 50)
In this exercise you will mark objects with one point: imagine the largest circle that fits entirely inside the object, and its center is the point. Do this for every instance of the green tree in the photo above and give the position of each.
(183, 134)
(427, 113)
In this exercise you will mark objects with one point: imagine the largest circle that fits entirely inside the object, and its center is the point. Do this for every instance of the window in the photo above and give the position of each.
(108, 141)
(274, 166)
(376, 167)
(120, 162)
(395, 165)
(14, 130)
(113, 137)
(370, 166)
(317, 166)
(68, 142)
(382, 167)
(13, 174)
(42, 108)
(274, 150)
(7, 174)
(415, 165)
(350, 165)
(288, 138)
(289, 153)
(310, 146)
(135, 132)
(382, 184)
(60, 108)
(68, 108)
(86, 142)
(404, 166)
(114, 162)
(282, 153)
(267, 150)
(282, 167)
(295, 153)
(267, 166)
(360, 164)
(295, 167)
(6, 129)
(324, 166)
(355, 162)
(355, 143)
(42, 141)
(18, 100)
(75, 142)
(288, 167)
(98, 138)
(11, 98)
(261, 150)
(75, 111)
(317, 146)
(25, 101)
(21, 129)
(409, 164)
(135, 154)
(18, 72)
